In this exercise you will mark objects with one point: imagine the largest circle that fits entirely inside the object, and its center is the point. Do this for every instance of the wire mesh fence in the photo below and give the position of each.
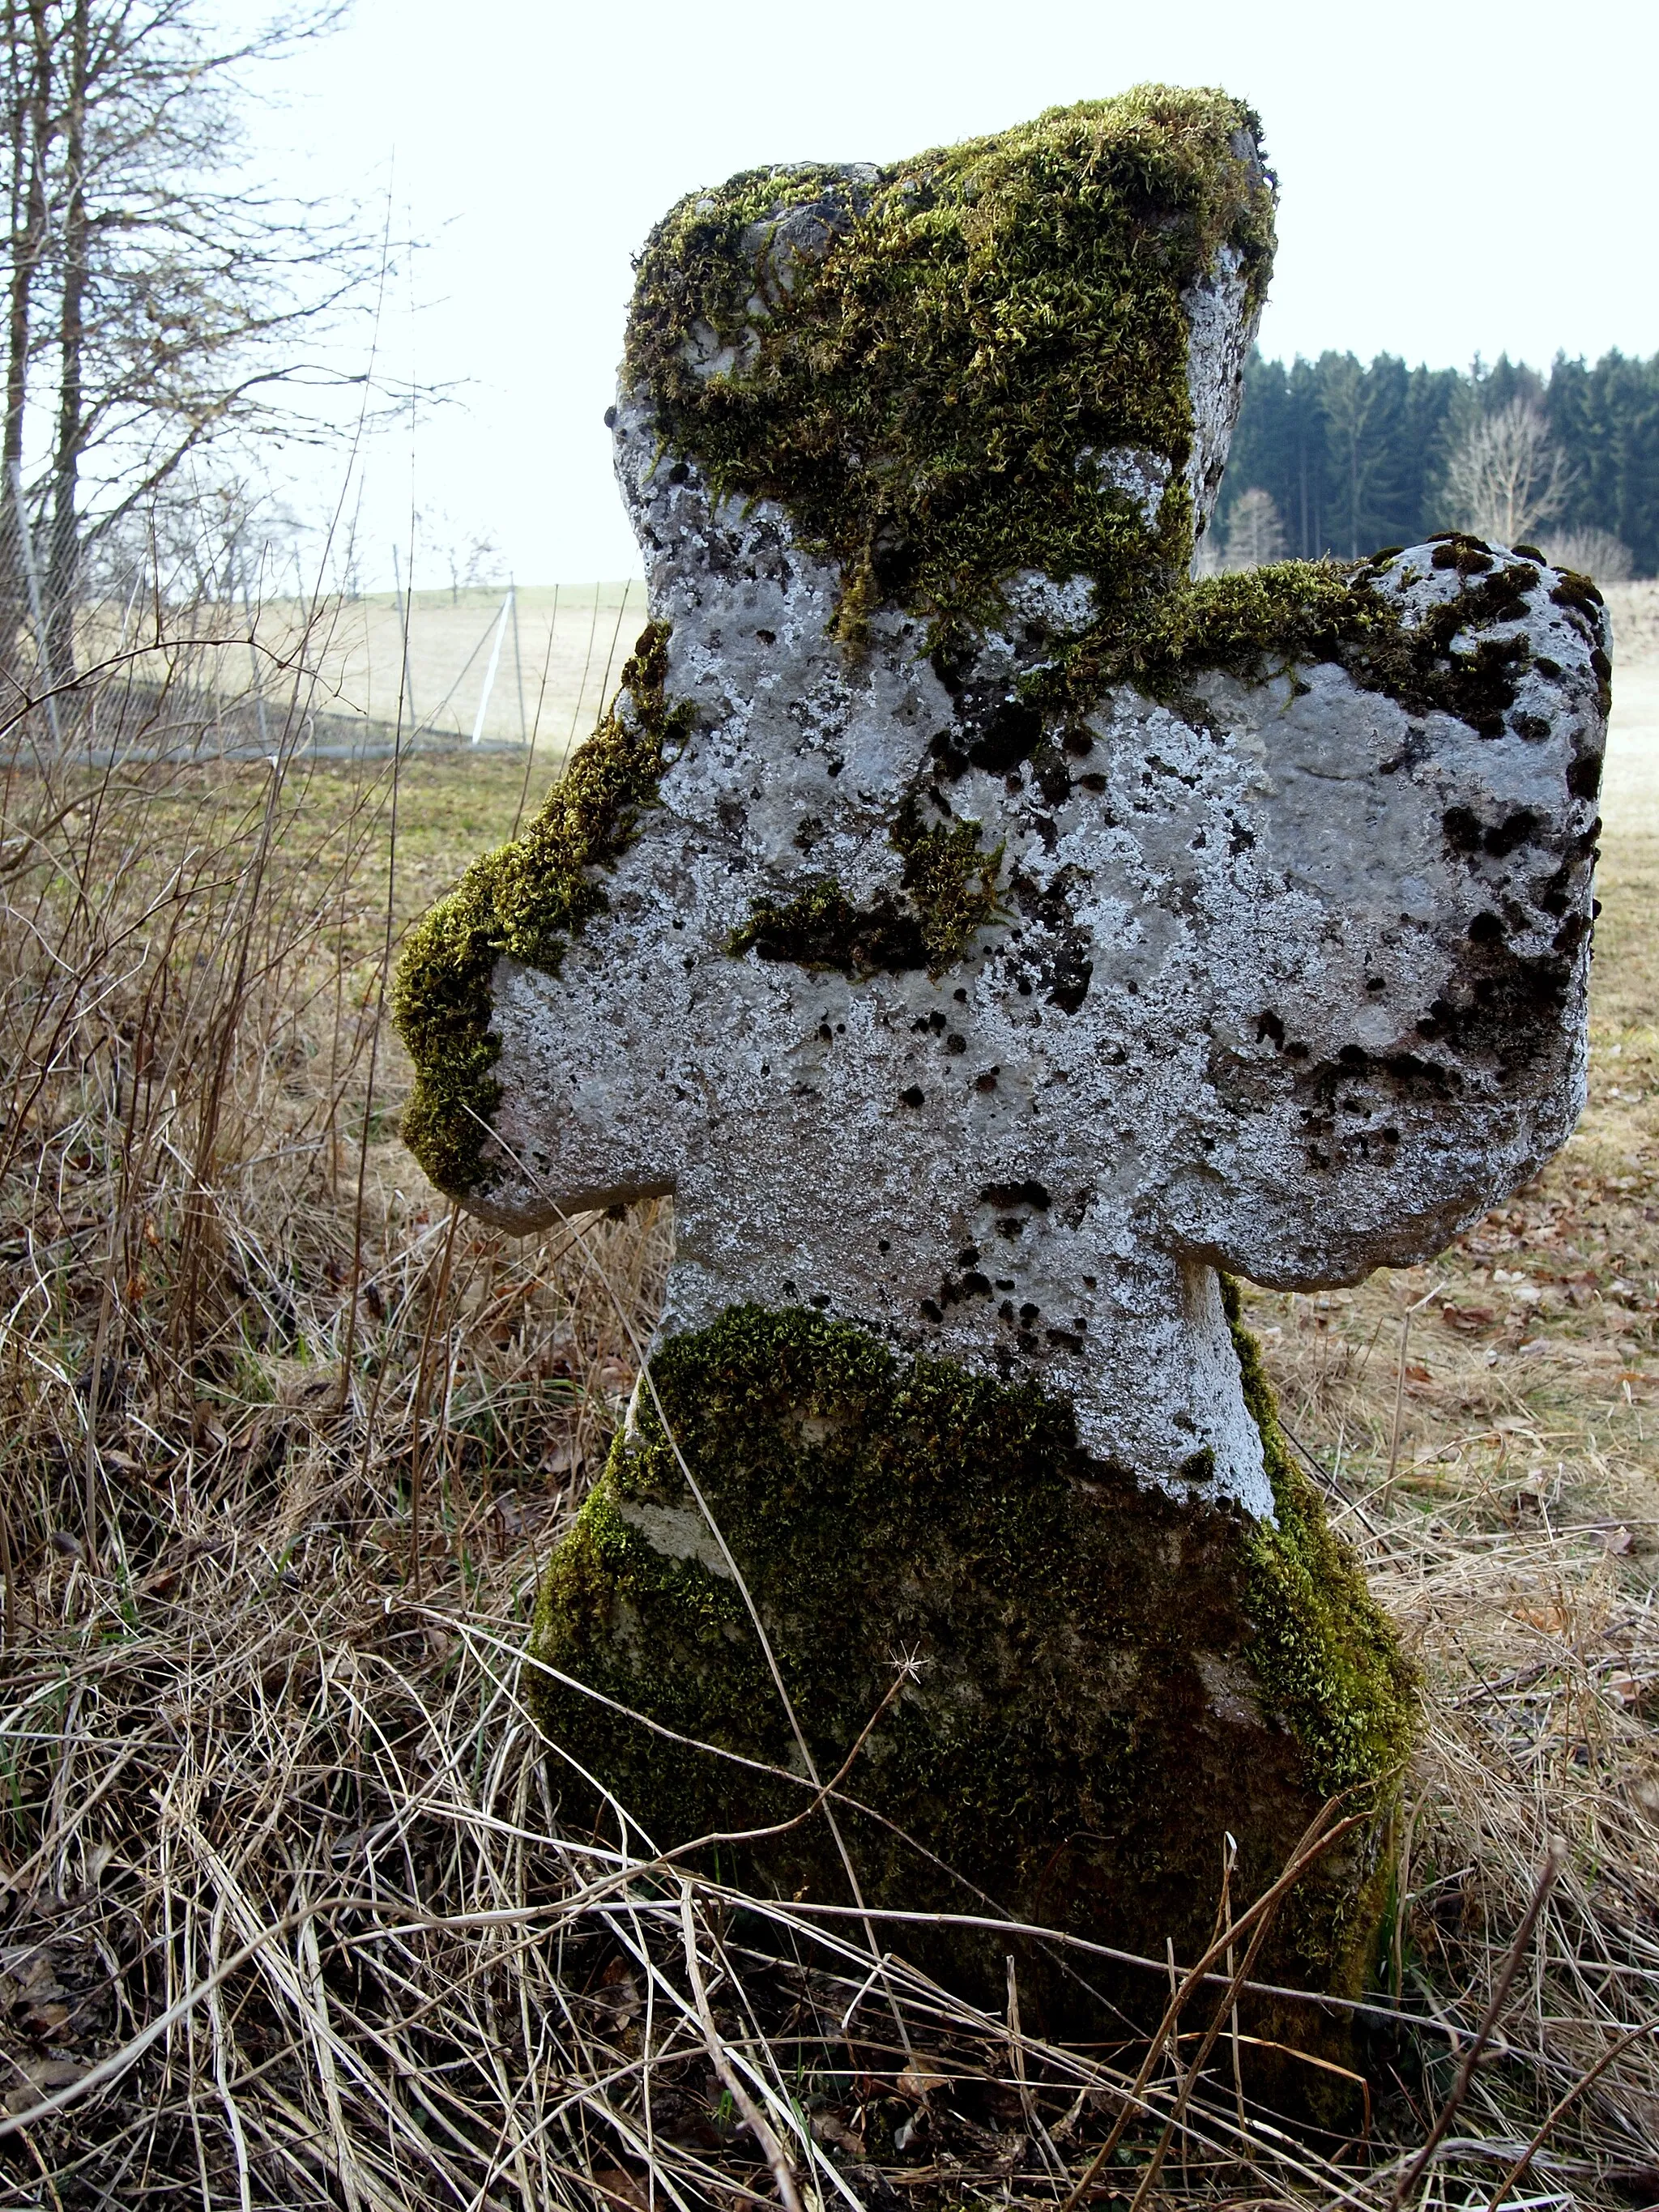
(149, 658)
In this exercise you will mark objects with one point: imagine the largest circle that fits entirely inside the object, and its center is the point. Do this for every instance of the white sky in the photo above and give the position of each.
(1464, 177)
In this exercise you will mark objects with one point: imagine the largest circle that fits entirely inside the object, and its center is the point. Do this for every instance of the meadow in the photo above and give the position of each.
(543, 672)
(287, 1917)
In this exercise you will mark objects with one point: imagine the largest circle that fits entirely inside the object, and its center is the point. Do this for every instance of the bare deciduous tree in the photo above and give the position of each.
(1593, 552)
(1505, 477)
(1255, 533)
(160, 303)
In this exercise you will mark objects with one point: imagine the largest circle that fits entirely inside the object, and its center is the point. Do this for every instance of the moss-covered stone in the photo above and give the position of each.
(950, 882)
(1291, 613)
(1110, 1679)
(526, 900)
(924, 363)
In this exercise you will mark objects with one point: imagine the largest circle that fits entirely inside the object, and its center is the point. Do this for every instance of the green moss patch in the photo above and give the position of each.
(1260, 622)
(1061, 1747)
(525, 900)
(951, 883)
(1328, 1659)
(921, 362)
(821, 929)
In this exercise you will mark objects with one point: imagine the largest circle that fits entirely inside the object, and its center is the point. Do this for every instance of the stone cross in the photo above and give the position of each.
(990, 959)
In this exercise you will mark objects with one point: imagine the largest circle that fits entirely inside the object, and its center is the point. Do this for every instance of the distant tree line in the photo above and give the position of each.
(1331, 455)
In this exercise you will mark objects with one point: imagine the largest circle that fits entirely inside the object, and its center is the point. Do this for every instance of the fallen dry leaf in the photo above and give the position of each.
(614, 2186)
(1468, 1318)
(41, 2077)
(1544, 1615)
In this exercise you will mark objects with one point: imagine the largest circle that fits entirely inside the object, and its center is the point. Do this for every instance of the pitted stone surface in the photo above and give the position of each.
(1287, 979)
(977, 1013)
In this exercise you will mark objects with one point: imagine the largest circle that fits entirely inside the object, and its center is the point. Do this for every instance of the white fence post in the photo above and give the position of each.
(495, 663)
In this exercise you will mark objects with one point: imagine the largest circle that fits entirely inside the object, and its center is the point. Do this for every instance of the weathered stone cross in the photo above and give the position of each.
(989, 937)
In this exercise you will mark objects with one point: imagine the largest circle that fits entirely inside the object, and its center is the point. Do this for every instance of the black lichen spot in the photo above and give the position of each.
(913, 1095)
(1063, 961)
(1030, 1193)
(1006, 735)
(821, 929)
(1515, 828)
(1584, 776)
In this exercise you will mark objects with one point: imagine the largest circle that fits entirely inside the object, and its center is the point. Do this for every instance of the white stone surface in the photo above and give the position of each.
(1231, 1015)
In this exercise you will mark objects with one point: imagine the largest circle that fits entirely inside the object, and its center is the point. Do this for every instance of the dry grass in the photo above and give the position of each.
(558, 654)
(287, 1914)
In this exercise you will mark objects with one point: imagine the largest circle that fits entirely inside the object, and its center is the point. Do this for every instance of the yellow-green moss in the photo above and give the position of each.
(1328, 1659)
(1061, 1749)
(1260, 622)
(526, 900)
(921, 362)
(951, 882)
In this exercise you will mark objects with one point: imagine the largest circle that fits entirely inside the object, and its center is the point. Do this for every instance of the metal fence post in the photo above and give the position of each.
(43, 651)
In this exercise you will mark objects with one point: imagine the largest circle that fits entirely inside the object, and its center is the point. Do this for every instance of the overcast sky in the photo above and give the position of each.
(1462, 178)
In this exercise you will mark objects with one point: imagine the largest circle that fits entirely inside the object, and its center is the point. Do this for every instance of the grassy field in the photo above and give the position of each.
(555, 659)
(287, 1917)
(554, 668)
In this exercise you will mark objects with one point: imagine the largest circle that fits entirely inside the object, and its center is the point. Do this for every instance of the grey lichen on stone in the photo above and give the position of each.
(993, 938)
